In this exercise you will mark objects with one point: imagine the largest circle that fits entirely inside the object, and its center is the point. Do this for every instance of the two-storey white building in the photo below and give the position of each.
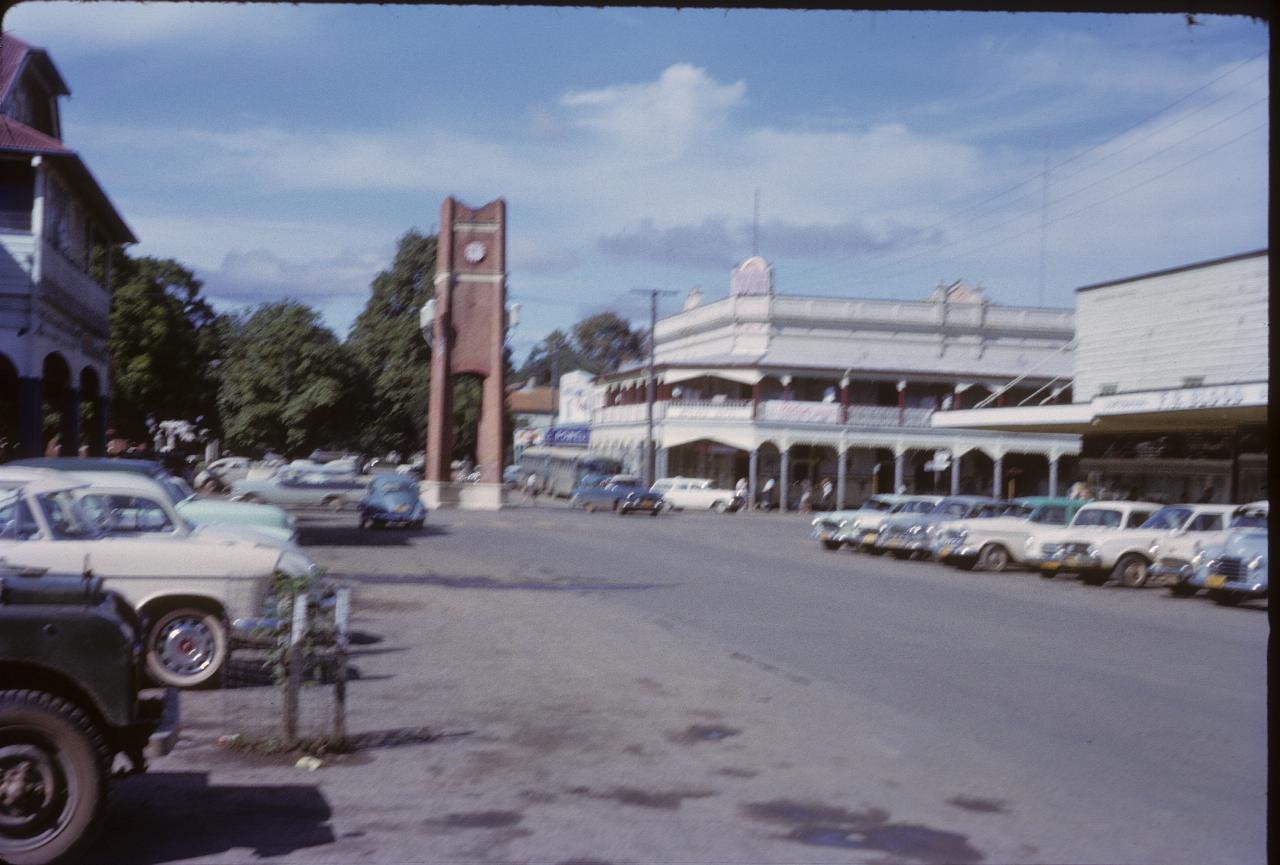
(57, 230)
(1170, 384)
(762, 385)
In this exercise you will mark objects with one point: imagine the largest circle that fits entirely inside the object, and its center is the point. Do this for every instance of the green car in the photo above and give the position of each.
(270, 520)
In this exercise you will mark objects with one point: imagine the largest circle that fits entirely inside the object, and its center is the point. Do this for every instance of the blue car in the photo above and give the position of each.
(392, 499)
(1235, 570)
(620, 493)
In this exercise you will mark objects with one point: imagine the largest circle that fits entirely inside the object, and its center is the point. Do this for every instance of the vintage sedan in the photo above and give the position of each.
(195, 593)
(1171, 553)
(1234, 570)
(201, 511)
(392, 499)
(295, 486)
(996, 543)
(1097, 544)
(680, 493)
(834, 529)
(619, 493)
(907, 535)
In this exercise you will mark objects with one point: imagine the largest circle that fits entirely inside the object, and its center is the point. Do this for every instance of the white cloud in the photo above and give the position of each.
(259, 274)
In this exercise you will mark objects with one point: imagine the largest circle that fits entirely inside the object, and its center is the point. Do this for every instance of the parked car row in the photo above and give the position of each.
(624, 494)
(1221, 549)
(196, 585)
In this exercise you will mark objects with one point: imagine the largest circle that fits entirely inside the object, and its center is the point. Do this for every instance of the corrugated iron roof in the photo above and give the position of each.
(19, 136)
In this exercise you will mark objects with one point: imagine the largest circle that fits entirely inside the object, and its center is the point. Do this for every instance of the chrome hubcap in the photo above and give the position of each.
(185, 646)
(30, 797)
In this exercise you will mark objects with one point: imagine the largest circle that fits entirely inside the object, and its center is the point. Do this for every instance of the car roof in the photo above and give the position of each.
(102, 464)
(118, 480)
(1122, 504)
(1039, 501)
(50, 483)
(970, 500)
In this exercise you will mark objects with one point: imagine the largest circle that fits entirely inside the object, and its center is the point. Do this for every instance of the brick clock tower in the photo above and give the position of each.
(466, 326)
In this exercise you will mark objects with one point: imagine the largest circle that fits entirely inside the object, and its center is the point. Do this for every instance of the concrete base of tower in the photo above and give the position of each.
(467, 497)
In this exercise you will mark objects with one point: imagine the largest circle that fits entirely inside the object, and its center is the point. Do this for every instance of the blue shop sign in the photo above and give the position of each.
(570, 436)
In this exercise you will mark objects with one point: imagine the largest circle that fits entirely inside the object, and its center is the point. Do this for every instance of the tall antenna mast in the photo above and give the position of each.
(755, 226)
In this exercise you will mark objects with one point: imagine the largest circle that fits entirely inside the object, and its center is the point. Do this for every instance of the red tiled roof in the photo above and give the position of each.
(532, 401)
(19, 136)
(12, 52)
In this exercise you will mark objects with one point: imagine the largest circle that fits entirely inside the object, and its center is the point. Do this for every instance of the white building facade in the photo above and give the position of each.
(759, 385)
(57, 231)
(1170, 384)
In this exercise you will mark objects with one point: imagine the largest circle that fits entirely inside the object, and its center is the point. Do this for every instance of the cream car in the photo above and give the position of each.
(196, 593)
(1099, 545)
(696, 494)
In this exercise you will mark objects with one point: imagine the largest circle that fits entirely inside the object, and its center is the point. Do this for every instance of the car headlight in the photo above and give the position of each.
(1257, 562)
(962, 536)
(1091, 550)
(914, 530)
(1198, 559)
(295, 564)
(929, 530)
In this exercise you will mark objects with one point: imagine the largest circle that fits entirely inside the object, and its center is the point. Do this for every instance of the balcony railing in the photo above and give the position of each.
(770, 411)
(75, 290)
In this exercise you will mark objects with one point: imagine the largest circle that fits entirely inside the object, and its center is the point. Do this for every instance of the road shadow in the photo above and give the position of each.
(175, 816)
(354, 536)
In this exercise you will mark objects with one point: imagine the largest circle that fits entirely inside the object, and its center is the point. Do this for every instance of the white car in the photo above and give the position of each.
(219, 474)
(195, 593)
(996, 543)
(680, 493)
(1098, 545)
(1173, 552)
(834, 529)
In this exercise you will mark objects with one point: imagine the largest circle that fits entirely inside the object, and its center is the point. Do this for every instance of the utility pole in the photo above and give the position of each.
(650, 387)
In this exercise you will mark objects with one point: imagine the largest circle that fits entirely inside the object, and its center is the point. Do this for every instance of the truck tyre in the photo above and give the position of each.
(994, 558)
(1182, 590)
(1131, 570)
(186, 647)
(54, 762)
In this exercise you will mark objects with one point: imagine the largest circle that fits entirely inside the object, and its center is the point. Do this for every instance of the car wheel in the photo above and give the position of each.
(832, 545)
(54, 764)
(720, 507)
(1182, 590)
(418, 524)
(1132, 571)
(589, 507)
(186, 647)
(1046, 574)
(901, 554)
(1224, 599)
(334, 503)
(994, 558)
(872, 551)
(364, 521)
(653, 512)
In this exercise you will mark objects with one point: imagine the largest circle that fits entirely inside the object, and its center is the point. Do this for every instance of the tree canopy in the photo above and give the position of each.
(599, 343)
(288, 384)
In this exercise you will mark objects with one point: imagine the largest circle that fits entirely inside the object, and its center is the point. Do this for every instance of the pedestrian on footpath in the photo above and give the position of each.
(828, 490)
(532, 486)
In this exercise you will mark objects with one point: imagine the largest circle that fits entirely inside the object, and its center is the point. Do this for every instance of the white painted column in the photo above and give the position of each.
(899, 458)
(1053, 474)
(842, 467)
(997, 479)
(661, 463)
(955, 473)
(753, 478)
(784, 471)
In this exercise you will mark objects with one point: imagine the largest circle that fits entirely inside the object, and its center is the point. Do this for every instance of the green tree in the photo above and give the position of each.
(556, 352)
(385, 340)
(288, 384)
(605, 341)
(166, 345)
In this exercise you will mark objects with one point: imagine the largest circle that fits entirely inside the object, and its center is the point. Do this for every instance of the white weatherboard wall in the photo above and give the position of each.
(1154, 332)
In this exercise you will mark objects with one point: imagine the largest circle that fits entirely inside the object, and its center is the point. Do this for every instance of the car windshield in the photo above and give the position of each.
(175, 488)
(394, 485)
(1249, 519)
(65, 518)
(876, 505)
(16, 521)
(1098, 517)
(952, 509)
(1016, 511)
(917, 507)
(1168, 518)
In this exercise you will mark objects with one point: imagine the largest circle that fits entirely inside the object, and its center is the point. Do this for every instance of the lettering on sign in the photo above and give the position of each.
(1186, 399)
(571, 436)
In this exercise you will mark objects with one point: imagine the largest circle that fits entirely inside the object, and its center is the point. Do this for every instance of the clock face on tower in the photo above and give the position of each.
(474, 252)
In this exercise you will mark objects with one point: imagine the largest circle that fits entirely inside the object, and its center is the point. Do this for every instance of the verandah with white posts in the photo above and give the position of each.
(762, 449)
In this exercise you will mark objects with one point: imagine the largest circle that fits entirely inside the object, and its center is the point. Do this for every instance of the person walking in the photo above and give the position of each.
(766, 495)
(532, 486)
(805, 502)
(825, 501)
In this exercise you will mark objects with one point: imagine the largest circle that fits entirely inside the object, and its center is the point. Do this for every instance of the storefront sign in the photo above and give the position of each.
(1183, 399)
(568, 436)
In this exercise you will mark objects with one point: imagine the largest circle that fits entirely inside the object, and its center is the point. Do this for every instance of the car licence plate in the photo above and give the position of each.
(824, 535)
(869, 538)
(1050, 565)
(1215, 581)
(1074, 562)
(944, 552)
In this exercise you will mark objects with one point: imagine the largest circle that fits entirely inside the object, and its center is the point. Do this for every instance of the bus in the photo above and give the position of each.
(560, 468)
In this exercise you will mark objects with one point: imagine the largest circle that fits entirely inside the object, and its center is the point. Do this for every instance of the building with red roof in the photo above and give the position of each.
(57, 232)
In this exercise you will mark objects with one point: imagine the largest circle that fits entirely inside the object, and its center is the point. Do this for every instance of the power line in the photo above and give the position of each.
(1146, 119)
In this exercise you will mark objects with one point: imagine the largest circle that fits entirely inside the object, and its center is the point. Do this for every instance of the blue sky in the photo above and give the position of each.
(281, 150)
